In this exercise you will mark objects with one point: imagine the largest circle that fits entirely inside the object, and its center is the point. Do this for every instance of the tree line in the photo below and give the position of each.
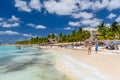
(74, 36)
(104, 32)
(110, 32)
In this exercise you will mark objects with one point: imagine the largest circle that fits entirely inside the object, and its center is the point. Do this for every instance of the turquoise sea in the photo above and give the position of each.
(28, 63)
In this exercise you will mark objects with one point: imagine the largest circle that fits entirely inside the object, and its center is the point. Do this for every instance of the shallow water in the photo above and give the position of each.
(27, 64)
(81, 70)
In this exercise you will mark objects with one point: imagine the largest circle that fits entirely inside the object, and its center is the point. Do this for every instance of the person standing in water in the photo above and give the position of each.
(96, 47)
(89, 48)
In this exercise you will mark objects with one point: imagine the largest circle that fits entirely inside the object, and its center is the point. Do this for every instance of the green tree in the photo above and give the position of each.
(115, 29)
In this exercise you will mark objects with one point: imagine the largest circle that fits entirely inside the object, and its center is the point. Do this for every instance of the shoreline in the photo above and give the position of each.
(105, 65)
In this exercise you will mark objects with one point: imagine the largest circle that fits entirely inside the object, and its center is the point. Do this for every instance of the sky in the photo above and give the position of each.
(24, 19)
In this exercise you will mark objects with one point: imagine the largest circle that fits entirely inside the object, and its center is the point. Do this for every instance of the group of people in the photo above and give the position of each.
(90, 47)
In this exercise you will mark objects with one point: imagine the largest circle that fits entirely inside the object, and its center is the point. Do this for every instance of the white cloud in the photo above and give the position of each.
(0, 24)
(36, 26)
(91, 22)
(27, 35)
(6, 25)
(74, 23)
(111, 16)
(68, 28)
(13, 18)
(15, 24)
(118, 19)
(69, 7)
(12, 22)
(40, 27)
(27, 6)
(9, 25)
(97, 5)
(9, 32)
(84, 15)
(113, 4)
(62, 7)
(1, 19)
(30, 24)
(84, 4)
(22, 5)
(92, 4)
(35, 4)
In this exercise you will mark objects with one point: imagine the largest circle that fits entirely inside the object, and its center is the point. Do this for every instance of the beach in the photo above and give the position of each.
(46, 63)
(60, 40)
(77, 65)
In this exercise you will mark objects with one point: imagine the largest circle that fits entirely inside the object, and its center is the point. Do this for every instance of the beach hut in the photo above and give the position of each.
(52, 41)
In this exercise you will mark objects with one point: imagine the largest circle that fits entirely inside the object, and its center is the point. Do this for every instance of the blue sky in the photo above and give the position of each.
(23, 19)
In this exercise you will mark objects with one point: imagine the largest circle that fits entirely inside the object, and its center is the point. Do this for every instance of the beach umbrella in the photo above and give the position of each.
(106, 42)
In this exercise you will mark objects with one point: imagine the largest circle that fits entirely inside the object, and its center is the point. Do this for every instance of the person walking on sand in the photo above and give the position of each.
(96, 47)
(89, 48)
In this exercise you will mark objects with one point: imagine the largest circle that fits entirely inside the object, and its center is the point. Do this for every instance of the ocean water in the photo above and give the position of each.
(28, 63)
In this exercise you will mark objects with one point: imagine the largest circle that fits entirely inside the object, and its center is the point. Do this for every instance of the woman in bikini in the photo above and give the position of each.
(89, 48)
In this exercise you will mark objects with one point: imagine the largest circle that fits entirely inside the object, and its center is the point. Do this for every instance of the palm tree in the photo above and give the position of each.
(101, 27)
(86, 35)
(102, 30)
(53, 36)
(60, 37)
(79, 34)
(115, 29)
(119, 31)
(72, 36)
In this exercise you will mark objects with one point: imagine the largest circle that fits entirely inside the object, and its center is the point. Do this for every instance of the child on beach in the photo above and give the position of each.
(96, 47)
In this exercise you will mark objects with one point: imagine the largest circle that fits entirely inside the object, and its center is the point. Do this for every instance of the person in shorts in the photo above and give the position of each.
(96, 47)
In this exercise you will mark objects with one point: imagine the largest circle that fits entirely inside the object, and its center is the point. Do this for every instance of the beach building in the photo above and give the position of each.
(52, 41)
(93, 32)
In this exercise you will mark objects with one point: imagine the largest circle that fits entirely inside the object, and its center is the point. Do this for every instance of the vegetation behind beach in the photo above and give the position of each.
(104, 32)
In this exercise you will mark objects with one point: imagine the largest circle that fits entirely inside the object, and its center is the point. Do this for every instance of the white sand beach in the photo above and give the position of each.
(77, 65)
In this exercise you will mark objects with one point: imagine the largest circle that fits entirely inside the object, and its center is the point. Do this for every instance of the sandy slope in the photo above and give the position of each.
(79, 66)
